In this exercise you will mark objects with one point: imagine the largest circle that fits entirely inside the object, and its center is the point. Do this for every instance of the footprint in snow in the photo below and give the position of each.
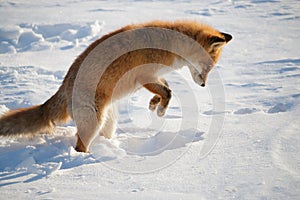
(244, 111)
(280, 107)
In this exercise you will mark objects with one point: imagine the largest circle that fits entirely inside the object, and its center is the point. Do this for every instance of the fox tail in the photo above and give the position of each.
(36, 119)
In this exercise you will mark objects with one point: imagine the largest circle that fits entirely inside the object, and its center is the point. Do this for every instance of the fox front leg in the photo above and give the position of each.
(156, 99)
(154, 102)
(163, 94)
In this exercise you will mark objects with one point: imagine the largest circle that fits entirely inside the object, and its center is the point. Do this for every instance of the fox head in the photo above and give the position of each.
(212, 41)
(215, 44)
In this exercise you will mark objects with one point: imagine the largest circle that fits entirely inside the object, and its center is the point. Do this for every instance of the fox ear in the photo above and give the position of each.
(227, 37)
(216, 41)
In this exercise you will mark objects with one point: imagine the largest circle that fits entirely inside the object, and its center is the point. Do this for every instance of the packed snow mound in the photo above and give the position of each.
(36, 37)
(3, 110)
(42, 155)
(47, 153)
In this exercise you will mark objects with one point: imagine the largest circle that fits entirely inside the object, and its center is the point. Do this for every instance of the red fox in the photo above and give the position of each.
(59, 108)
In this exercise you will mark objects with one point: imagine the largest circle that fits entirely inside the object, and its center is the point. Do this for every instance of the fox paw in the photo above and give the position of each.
(154, 102)
(161, 111)
(152, 107)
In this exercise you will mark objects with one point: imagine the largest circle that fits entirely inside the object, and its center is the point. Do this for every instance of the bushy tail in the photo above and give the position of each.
(35, 119)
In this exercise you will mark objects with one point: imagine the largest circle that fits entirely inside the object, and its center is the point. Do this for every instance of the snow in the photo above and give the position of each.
(247, 150)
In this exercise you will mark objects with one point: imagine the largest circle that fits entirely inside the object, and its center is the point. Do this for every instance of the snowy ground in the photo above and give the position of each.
(255, 155)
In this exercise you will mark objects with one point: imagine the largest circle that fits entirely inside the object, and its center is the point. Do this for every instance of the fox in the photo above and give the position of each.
(120, 77)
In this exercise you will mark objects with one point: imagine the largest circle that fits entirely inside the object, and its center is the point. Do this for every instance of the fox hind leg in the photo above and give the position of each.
(109, 126)
(89, 121)
(87, 127)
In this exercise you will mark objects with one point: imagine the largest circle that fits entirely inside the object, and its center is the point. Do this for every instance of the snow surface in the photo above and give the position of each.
(253, 153)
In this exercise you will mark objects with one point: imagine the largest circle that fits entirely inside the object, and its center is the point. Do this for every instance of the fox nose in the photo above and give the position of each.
(202, 80)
